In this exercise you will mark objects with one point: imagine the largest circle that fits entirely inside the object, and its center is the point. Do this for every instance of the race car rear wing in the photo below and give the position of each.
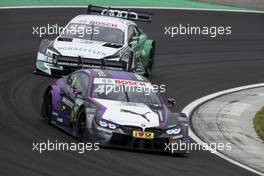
(120, 13)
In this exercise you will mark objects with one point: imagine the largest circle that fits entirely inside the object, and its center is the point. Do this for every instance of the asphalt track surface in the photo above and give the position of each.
(191, 67)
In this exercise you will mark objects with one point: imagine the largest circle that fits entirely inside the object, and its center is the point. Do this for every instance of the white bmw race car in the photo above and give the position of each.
(102, 38)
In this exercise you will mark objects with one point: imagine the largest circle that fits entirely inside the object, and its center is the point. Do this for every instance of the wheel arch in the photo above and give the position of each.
(80, 109)
(49, 88)
(55, 92)
(44, 44)
(149, 45)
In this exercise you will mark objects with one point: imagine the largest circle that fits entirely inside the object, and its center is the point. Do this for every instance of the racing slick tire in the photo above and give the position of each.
(130, 61)
(148, 69)
(81, 126)
(46, 108)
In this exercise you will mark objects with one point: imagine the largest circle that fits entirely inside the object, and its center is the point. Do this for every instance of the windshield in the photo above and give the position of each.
(93, 32)
(140, 93)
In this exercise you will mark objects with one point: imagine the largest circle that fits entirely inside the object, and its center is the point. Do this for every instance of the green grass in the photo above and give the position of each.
(141, 3)
(258, 122)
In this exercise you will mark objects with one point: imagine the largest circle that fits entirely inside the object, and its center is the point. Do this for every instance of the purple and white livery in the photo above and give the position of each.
(113, 108)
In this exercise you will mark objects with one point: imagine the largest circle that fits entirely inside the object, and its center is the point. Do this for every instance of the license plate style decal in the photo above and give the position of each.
(143, 135)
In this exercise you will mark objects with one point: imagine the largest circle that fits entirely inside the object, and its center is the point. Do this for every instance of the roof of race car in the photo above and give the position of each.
(115, 74)
(105, 21)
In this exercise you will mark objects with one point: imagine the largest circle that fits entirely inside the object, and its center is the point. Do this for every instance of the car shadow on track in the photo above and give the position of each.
(145, 151)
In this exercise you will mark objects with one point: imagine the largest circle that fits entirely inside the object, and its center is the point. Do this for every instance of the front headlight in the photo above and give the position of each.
(49, 60)
(106, 124)
(103, 124)
(173, 131)
(112, 126)
(50, 53)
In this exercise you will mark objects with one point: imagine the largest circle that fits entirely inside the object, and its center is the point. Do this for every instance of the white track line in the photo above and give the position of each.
(188, 110)
(137, 7)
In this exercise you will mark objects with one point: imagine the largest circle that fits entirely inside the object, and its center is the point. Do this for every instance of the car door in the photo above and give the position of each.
(136, 41)
(67, 99)
(72, 95)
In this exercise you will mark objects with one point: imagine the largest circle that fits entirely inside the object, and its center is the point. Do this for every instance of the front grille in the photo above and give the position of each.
(78, 62)
(129, 129)
(134, 143)
(157, 131)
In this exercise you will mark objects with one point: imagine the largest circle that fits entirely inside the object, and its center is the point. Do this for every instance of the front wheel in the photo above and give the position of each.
(81, 126)
(46, 110)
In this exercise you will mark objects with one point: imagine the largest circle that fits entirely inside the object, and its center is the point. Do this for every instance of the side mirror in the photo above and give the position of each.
(69, 80)
(171, 102)
(134, 40)
(76, 92)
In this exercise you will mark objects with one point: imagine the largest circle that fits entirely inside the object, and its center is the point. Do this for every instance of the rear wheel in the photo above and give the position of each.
(148, 70)
(129, 63)
(47, 107)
